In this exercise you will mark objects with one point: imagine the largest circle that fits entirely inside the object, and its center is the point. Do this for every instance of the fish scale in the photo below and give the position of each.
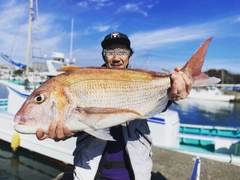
(121, 93)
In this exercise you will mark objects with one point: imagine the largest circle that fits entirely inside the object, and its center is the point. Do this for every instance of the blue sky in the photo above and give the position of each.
(164, 33)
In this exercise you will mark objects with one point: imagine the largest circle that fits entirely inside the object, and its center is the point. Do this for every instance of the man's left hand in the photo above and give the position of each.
(181, 85)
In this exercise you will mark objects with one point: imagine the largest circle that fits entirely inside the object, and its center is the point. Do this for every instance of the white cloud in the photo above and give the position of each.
(7, 16)
(150, 6)
(132, 7)
(88, 57)
(99, 1)
(9, 4)
(102, 28)
(96, 4)
(55, 38)
(159, 38)
(14, 32)
(237, 20)
(83, 4)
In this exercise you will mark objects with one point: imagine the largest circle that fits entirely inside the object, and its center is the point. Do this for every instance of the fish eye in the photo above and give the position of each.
(39, 98)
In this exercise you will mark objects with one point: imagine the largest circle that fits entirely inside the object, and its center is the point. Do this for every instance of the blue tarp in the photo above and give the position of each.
(7, 58)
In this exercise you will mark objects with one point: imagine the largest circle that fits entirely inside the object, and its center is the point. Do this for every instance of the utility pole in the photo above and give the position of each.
(222, 76)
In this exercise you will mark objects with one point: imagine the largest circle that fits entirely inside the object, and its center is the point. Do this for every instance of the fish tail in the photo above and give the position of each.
(194, 66)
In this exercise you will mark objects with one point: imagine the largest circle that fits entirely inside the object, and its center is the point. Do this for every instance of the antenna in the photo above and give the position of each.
(147, 56)
(71, 40)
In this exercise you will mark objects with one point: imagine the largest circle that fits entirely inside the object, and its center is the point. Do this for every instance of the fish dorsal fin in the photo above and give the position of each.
(69, 68)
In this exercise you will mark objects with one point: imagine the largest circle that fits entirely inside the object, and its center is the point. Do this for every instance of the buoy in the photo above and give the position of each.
(15, 142)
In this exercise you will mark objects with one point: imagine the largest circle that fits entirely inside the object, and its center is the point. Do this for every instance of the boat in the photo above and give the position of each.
(210, 93)
(18, 91)
(213, 142)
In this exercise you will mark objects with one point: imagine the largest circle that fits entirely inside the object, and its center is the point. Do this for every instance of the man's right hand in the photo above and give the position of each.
(57, 131)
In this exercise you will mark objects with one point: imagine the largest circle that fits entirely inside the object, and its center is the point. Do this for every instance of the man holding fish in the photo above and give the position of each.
(129, 156)
(106, 108)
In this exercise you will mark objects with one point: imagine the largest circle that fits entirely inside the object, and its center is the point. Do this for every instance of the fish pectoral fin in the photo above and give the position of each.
(98, 118)
(103, 134)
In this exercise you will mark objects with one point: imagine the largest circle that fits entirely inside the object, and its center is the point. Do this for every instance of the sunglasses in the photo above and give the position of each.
(116, 52)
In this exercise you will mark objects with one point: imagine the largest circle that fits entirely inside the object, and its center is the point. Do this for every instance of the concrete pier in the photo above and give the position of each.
(171, 165)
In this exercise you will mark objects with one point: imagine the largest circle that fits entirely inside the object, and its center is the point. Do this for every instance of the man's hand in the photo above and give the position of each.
(57, 131)
(181, 85)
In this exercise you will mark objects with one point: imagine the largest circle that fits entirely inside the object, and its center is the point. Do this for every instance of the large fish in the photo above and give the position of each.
(91, 99)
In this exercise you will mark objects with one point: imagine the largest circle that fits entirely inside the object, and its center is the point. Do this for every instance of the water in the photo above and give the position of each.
(204, 112)
(3, 92)
(26, 165)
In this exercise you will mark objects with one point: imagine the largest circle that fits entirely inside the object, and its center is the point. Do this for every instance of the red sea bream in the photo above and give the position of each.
(91, 99)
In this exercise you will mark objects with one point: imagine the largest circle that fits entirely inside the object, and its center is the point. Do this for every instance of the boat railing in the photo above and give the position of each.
(207, 137)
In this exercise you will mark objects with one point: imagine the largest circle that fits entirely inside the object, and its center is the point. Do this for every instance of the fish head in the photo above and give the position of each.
(46, 103)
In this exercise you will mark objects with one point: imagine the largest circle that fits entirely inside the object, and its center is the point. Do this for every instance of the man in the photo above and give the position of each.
(129, 157)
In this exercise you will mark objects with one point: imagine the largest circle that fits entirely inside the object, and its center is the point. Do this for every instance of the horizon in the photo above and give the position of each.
(164, 34)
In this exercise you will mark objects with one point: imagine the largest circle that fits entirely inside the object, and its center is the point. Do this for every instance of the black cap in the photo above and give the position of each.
(114, 38)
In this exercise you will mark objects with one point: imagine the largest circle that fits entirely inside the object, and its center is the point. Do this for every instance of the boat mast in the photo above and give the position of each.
(29, 37)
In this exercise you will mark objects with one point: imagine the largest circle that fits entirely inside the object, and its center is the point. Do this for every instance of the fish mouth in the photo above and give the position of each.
(25, 129)
(29, 125)
(27, 121)
(26, 125)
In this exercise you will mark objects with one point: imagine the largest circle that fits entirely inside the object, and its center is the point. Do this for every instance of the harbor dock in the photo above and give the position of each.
(171, 165)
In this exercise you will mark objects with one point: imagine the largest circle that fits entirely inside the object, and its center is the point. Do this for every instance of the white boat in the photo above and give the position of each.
(210, 93)
(17, 94)
(212, 142)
